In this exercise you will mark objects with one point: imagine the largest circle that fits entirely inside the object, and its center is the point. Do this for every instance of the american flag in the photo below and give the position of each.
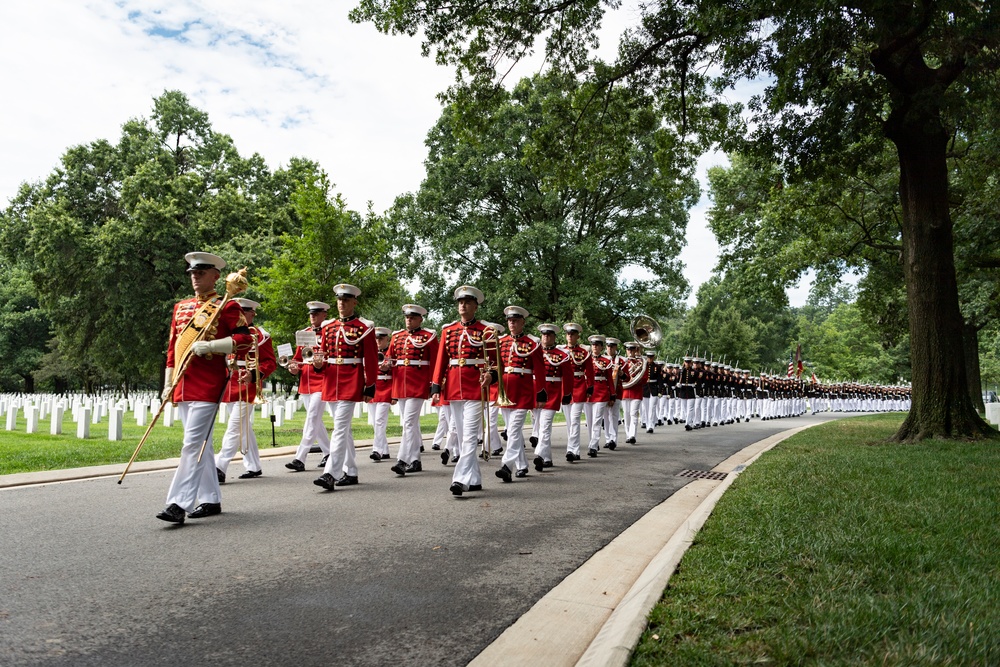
(791, 365)
(800, 368)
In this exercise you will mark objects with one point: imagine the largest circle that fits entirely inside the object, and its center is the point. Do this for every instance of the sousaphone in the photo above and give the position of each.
(646, 331)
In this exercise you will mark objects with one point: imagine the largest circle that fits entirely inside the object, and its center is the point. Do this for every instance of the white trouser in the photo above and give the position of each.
(239, 437)
(378, 417)
(341, 459)
(409, 418)
(598, 418)
(632, 407)
(588, 416)
(543, 418)
(313, 430)
(495, 442)
(573, 412)
(195, 481)
(468, 418)
(514, 454)
(611, 422)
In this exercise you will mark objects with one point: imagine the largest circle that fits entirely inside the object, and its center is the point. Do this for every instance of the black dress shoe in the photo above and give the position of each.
(435, 446)
(322, 464)
(533, 440)
(296, 465)
(325, 480)
(504, 473)
(503, 434)
(612, 445)
(399, 468)
(523, 472)
(649, 430)
(172, 514)
(456, 489)
(454, 459)
(475, 487)
(415, 467)
(444, 457)
(347, 480)
(250, 474)
(497, 452)
(421, 448)
(539, 463)
(592, 453)
(221, 475)
(548, 464)
(569, 457)
(206, 509)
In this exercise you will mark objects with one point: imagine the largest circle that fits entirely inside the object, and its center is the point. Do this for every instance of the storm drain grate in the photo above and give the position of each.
(702, 474)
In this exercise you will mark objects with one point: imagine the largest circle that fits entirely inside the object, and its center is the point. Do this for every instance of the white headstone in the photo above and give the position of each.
(140, 414)
(56, 421)
(279, 418)
(168, 414)
(12, 418)
(31, 415)
(223, 412)
(115, 423)
(289, 409)
(83, 424)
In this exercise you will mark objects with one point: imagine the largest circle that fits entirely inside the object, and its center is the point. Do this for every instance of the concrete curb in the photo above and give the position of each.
(595, 616)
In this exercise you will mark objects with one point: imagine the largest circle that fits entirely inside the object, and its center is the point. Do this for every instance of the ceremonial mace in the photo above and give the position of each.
(236, 283)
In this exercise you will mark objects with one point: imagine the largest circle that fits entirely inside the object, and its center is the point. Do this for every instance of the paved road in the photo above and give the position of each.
(390, 571)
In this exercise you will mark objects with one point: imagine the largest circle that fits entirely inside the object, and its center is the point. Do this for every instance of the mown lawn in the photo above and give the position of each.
(837, 548)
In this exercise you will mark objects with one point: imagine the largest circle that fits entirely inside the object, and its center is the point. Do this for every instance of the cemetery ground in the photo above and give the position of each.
(838, 548)
(31, 452)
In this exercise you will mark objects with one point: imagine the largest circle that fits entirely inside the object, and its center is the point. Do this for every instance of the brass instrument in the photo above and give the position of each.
(646, 331)
(503, 401)
(236, 283)
(633, 379)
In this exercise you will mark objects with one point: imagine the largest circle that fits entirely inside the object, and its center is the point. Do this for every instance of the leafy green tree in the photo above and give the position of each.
(24, 330)
(844, 78)
(103, 237)
(547, 203)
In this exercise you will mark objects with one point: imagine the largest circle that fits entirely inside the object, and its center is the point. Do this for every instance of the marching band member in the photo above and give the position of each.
(198, 391)
(378, 408)
(650, 395)
(583, 387)
(602, 401)
(493, 408)
(348, 357)
(460, 377)
(413, 352)
(616, 409)
(311, 393)
(524, 383)
(558, 393)
(633, 376)
(242, 393)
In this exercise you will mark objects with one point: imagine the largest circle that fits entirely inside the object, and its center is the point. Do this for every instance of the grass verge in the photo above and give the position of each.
(837, 548)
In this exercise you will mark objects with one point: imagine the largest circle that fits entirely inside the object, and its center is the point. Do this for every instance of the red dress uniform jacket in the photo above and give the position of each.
(310, 379)
(351, 358)
(603, 378)
(245, 388)
(383, 381)
(558, 377)
(205, 378)
(461, 358)
(583, 371)
(523, 370)
(632, 366)
(414, 354)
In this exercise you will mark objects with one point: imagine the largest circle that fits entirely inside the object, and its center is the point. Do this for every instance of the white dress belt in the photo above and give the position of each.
(383, 377)
(412, 362)
(337, 361)
(466, 362)
(555, 379)
(518, 371)
(578, 374)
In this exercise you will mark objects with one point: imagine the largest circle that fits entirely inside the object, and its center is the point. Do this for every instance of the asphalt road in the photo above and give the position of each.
(392, 571)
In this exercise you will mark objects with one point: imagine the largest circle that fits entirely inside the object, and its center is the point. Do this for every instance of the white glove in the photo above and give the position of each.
(220, 346)
(167, 385)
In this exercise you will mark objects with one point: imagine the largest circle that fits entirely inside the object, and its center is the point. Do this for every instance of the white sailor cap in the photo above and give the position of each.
(632, 345)
(414, 309)
(499, 328)
(246, 304)
(548, 328)
(382, 331)
(597, 339)
(198, 261)
(514, 311)
(343, 289)
(613, 341)
(572, 326)
(317, 306)
(469, 290)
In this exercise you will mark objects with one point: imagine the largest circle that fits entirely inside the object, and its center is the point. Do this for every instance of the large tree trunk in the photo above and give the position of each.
(941, 405)
(970, 338)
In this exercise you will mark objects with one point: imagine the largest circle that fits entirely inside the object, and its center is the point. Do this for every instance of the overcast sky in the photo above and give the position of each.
(284, 79)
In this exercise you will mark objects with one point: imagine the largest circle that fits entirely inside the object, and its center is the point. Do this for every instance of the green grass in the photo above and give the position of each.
(31, 452)
(837, 548)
